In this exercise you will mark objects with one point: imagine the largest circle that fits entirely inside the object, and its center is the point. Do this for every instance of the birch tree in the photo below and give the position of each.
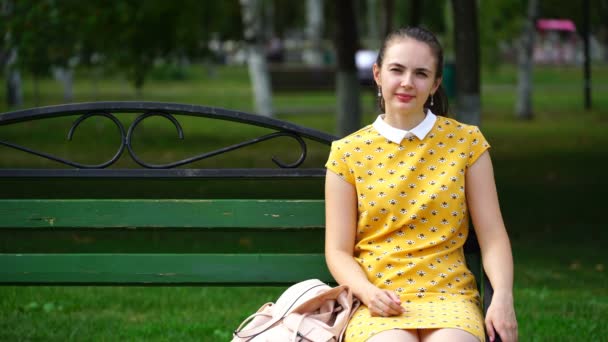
(8, 57)
(313, 55)
(14, 94)
(252, 14)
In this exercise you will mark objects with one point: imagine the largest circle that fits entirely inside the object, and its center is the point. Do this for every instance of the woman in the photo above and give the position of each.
(398, 195)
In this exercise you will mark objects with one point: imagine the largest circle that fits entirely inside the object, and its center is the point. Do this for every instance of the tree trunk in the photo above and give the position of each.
(256, 59)
(415, 12)
(523, 107)
(602, 34)
(586, 32)
(466, 46)
(388, 10)
(601, 7)
(267, 23)
(314, 30)
(66, 77)
(347, 85)
(68, 85)
(373, 34)
(14, 95)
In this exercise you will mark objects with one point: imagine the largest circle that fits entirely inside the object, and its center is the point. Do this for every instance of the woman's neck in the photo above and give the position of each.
(404, 121)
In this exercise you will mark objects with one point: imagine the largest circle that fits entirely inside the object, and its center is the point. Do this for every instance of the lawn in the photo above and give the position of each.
(550, 173)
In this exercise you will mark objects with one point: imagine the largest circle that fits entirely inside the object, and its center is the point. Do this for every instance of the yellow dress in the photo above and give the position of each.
(412, 224)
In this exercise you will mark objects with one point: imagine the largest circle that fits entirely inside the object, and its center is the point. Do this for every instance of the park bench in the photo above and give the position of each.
(286, 78)
(292, 78)
(129, 222)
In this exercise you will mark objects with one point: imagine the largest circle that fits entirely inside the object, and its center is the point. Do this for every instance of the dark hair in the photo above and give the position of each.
(440, 99)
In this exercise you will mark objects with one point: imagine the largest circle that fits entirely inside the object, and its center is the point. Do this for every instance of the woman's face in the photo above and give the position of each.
(407, 76)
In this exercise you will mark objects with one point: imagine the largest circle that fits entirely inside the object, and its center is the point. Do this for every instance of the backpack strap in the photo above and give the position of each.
(253, 332)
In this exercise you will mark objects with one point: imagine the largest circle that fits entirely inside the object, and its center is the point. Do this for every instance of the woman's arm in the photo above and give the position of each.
(482, 201)
(340, 230)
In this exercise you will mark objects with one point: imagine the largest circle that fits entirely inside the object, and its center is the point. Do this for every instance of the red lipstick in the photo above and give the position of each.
(404, 97)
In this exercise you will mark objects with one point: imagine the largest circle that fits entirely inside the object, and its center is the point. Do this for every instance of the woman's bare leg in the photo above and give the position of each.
(446, 334)
(395, 335)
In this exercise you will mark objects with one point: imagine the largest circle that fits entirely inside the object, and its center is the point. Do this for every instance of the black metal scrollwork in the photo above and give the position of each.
(69, 137)
(206, 155)
(163, 110)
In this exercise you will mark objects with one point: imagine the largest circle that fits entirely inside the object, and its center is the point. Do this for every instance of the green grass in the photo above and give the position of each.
(125, 314)
(550, 173)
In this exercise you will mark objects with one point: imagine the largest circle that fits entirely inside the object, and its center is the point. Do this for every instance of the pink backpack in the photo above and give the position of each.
(307, 311)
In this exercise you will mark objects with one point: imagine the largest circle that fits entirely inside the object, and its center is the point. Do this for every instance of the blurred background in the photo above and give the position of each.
(66, 51)
(533, 74)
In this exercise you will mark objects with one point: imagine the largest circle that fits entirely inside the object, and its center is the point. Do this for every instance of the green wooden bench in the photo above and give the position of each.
(161, 242)
(104, 224)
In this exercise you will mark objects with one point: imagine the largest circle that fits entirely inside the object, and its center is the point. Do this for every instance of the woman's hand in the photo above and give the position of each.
(500, 318)
(382, 303)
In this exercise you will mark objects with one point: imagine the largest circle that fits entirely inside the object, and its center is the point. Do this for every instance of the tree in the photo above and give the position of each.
(466, 46)
(14, 95)
(346, 41)
(388, 9)
(415, 12)
(428, 14)
(8, 57)
(314, 30)
(41, 36)
(129, 36)
(256, 57)
(603, 26)
(372, 30)
(523, 106)
(500, 22)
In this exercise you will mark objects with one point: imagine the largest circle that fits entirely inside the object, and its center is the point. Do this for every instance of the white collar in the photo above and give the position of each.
(396, 135)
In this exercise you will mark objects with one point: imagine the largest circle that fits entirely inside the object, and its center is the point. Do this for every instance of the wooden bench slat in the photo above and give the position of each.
(162, 213)
(152, 240)
(161, 269)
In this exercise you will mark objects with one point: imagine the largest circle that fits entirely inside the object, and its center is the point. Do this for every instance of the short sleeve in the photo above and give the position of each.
(478, 144)
(338, 162)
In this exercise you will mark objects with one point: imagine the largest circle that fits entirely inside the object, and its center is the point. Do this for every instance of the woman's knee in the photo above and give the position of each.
(395, 335)
(446, 334)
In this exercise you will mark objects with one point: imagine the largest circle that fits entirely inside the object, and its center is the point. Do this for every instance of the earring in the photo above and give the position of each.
(431, 99)
(379, 92)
